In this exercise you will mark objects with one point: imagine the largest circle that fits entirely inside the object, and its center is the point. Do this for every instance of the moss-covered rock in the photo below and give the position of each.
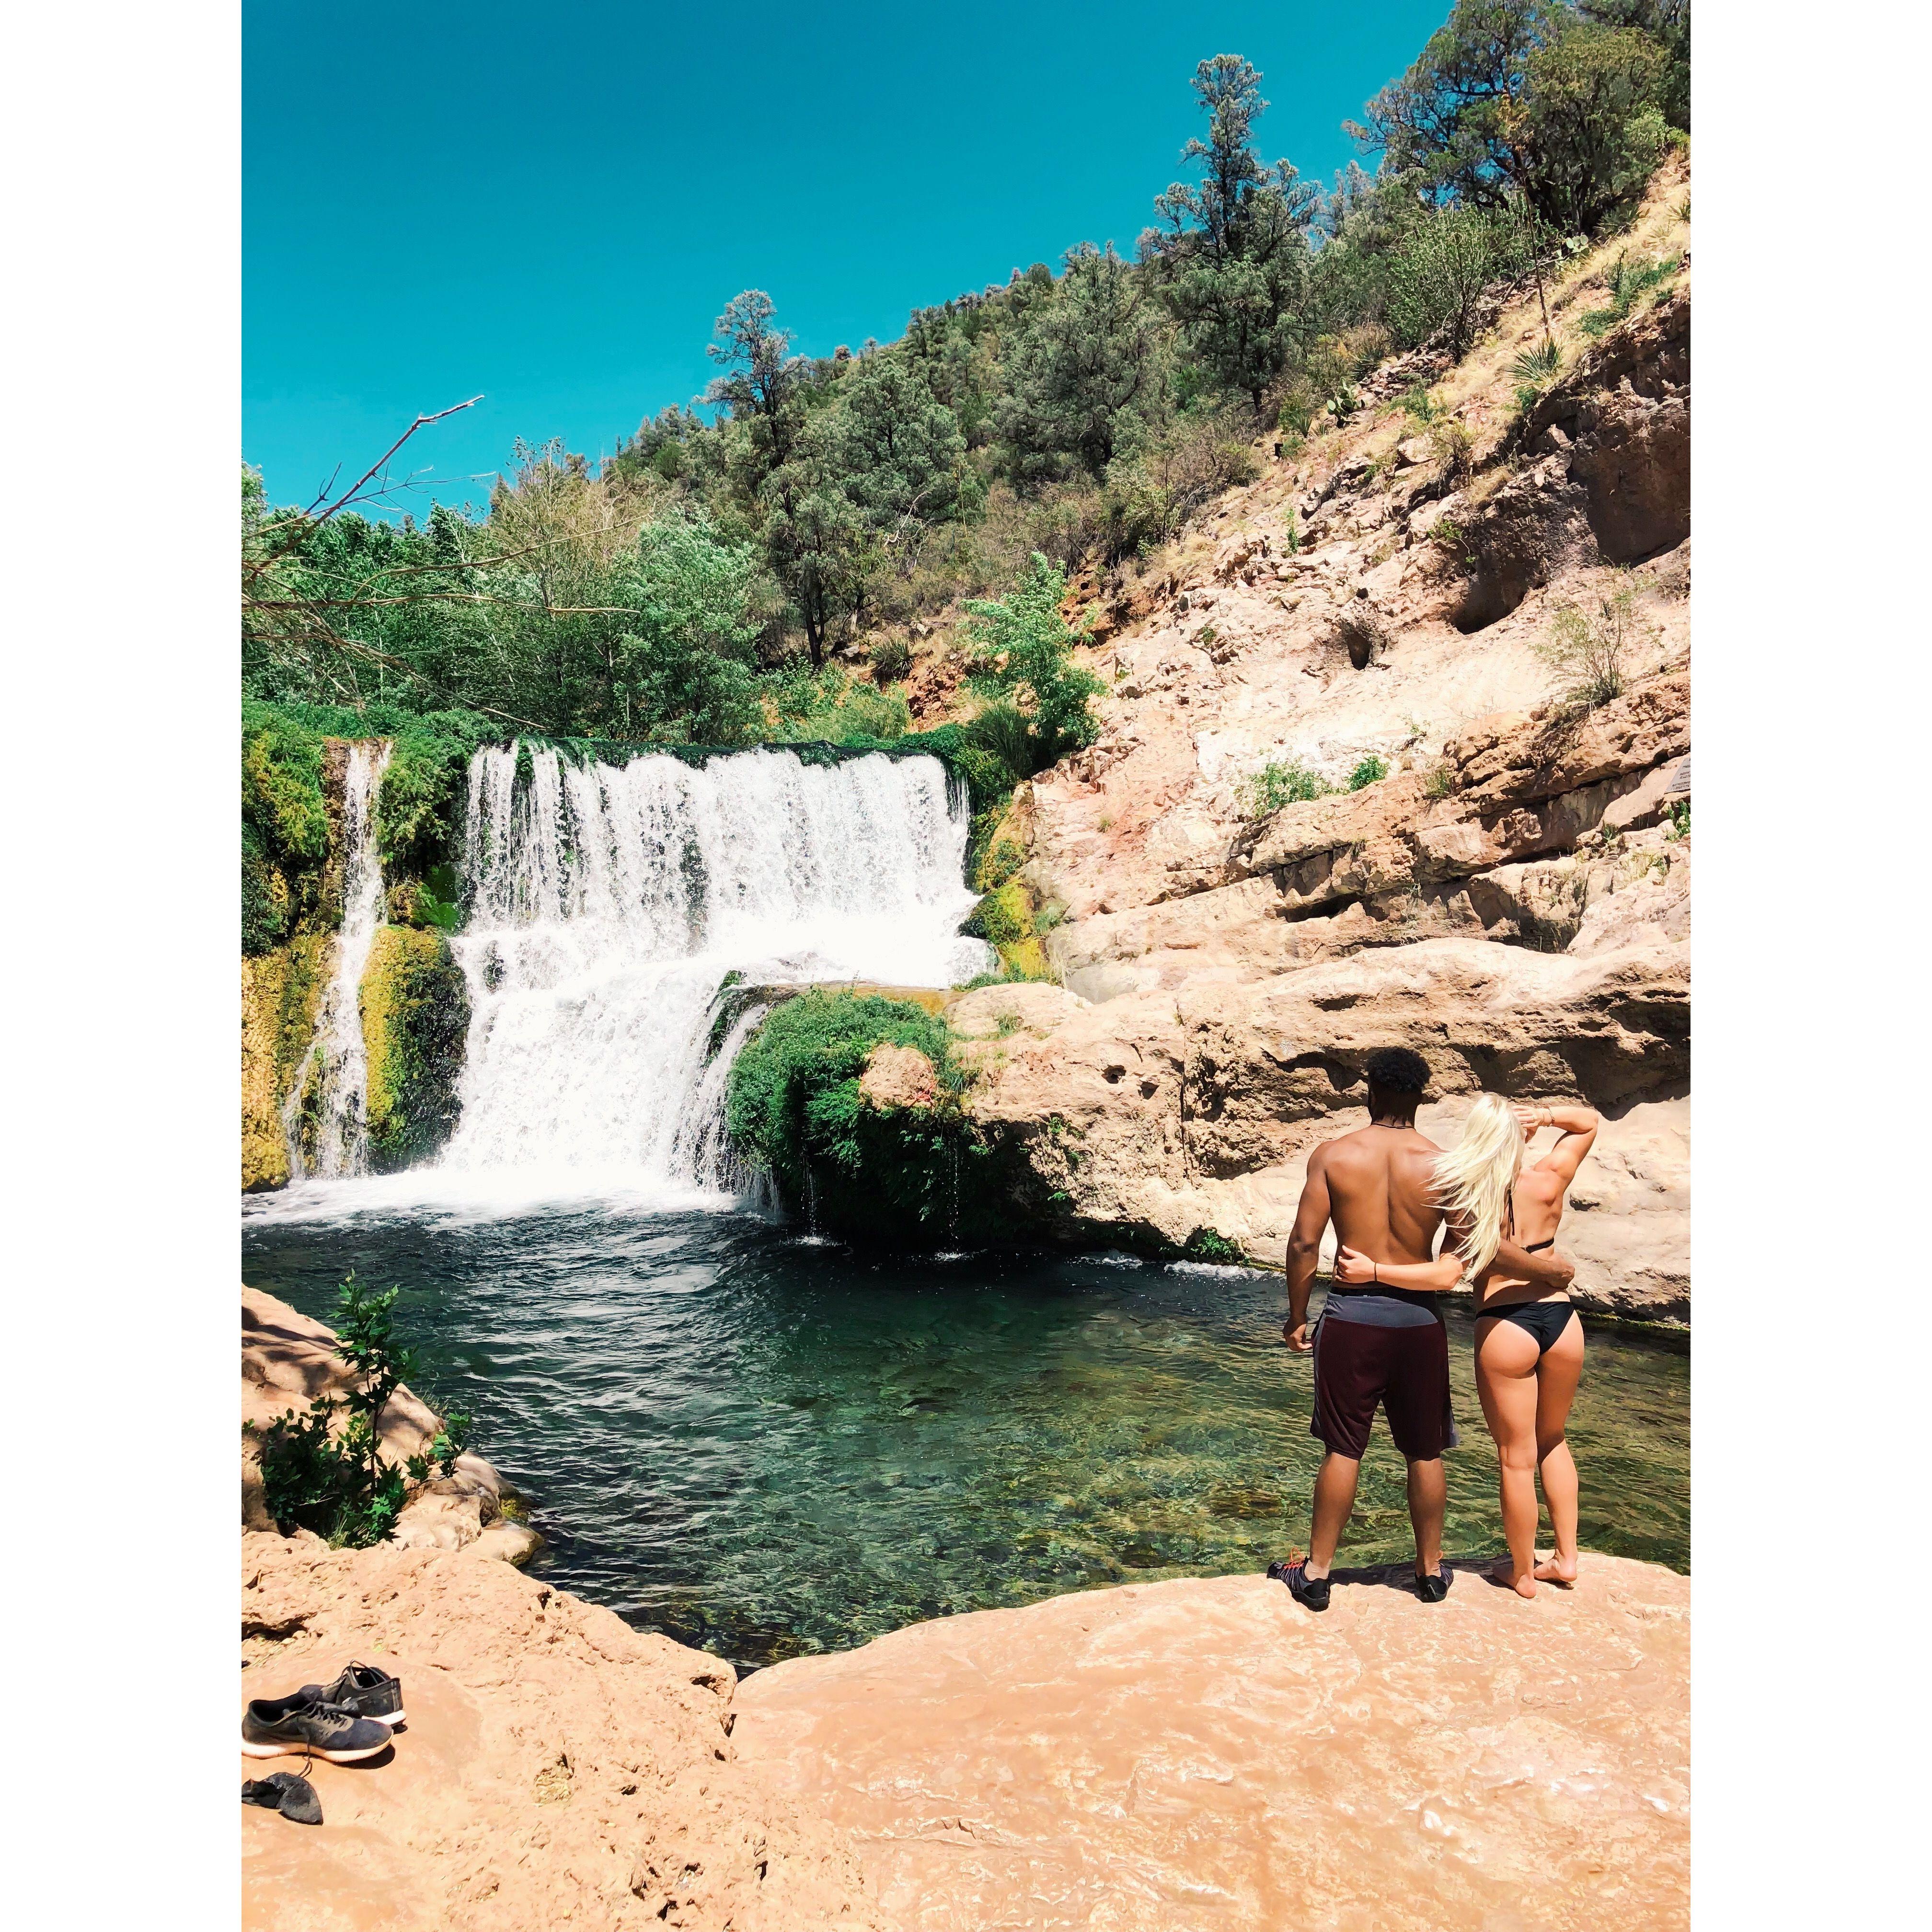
(1009, 919)
(415, 1018)
(281, 993)
(852, 1105)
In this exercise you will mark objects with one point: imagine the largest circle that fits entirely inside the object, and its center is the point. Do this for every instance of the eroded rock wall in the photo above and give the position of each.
(1512, 899)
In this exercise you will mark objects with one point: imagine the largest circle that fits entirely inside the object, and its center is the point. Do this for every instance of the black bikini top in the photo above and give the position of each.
(1509, 1204)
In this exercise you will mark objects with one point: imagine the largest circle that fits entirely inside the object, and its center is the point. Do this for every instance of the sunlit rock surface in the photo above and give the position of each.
(1208, 1754)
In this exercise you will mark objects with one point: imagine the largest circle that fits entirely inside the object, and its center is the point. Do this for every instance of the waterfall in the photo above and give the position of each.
(607, 904)
(336, 1063)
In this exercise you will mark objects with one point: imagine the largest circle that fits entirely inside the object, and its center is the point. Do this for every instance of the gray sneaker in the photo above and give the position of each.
(282, 1726)
(368, 1692)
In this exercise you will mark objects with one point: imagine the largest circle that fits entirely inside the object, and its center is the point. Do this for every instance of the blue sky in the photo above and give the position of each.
(552, 206)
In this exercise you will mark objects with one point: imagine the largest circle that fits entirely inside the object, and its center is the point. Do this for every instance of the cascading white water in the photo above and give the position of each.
(607, 904)
(336, 1060)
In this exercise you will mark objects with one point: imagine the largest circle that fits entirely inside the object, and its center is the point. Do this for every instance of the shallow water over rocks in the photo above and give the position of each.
(769, 1446)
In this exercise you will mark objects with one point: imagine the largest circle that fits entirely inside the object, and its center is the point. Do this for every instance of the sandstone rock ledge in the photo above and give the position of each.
(1207, 1754)
(558, 1768)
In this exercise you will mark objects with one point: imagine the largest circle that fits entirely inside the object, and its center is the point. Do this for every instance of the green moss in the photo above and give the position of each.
(1012, 921)
(879, 1175)
(284, 827)
(415, 1017)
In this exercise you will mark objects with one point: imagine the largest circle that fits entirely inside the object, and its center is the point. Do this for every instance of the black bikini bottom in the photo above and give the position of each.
(1545, 1320)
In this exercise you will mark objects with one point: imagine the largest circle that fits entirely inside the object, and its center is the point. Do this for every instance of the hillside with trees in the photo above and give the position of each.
(833, 548)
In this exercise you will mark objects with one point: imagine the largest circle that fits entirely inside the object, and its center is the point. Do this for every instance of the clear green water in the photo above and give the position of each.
(766, 1446)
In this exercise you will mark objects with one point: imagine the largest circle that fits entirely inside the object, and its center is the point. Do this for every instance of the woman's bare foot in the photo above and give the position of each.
(1556, 1569)
(1523, 1586)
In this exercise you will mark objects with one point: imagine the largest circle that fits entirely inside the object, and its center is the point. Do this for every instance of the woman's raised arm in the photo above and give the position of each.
(1577, 1125)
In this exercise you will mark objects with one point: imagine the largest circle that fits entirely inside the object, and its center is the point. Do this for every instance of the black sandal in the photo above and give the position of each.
(1311, 1592)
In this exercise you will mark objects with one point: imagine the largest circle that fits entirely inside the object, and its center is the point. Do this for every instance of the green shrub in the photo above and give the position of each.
(891, 659)
(869, 1174)
(832, 706)
(1627, 284)
(284, 826)
(1371, 771)
(1205, 1244)
(339, 1484)
(1279, 783)
(1439, 781)
(1419, 405)
(1025, 657)
(1590, 645)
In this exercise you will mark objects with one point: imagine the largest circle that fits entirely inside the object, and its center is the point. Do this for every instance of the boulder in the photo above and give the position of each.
(899, 1076)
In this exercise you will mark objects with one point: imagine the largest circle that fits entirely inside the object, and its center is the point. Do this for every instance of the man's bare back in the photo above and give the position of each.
(1379, 1180)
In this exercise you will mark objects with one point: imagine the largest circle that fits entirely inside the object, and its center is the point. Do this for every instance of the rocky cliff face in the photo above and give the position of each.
(1512, 899)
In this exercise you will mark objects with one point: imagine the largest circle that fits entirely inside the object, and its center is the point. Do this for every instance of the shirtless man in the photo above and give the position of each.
(1377, 1345)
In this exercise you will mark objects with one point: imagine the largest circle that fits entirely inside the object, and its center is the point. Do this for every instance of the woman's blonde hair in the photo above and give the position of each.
(1474, 1178)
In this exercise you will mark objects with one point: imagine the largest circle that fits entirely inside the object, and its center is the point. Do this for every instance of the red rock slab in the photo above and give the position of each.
(1206, 1753)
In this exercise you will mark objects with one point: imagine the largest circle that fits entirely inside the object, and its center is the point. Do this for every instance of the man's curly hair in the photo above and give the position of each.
(1396, 1069)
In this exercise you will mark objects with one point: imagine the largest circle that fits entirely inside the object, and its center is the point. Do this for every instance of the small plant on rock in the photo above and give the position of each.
(1591, 645)
(1208, 1244)
(1439, 781)
(1420, 405)
(338, 1484)
(1371, 771)
(1278, 783)
(891, 659)
(1626, 284)
(1534, 369)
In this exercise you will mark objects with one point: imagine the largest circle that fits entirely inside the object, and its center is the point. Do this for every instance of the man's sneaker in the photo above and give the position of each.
(1432, 1589)
(1312, 1591)
(280, 1726)
(282, 1791)
(368, 1692)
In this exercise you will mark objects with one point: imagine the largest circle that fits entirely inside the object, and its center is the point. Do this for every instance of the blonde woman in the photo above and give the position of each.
(1529, 1341)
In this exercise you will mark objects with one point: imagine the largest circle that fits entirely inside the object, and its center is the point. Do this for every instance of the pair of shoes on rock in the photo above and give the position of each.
(341, 1723)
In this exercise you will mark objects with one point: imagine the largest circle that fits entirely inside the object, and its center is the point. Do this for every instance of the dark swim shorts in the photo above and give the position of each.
(1361, 1365)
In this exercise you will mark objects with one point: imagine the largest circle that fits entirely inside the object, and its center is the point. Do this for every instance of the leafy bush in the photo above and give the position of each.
(1279, 783)
(1372, 770)
(1207, 1244)
(832, 706)
(338, 1484)
(1025, 657)
(1449, 259)
(1419, 405)
(1591, 645)
(871, 1174)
